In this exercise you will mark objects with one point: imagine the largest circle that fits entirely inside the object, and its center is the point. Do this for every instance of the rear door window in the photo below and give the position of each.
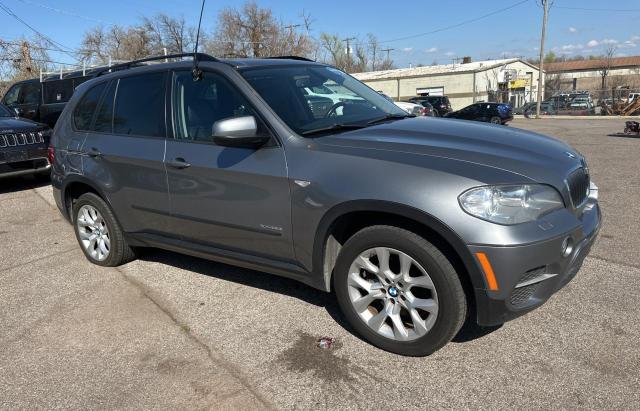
(31, 93)
(140, 105)
(83, 113)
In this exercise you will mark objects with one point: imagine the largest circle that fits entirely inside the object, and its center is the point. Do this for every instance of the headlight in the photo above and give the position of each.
(511, 204)
(45, 133)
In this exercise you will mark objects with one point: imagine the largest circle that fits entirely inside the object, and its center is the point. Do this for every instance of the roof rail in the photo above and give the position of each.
(134, 63)
(290, 58)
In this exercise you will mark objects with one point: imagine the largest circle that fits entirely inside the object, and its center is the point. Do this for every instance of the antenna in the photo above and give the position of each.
(197, 73)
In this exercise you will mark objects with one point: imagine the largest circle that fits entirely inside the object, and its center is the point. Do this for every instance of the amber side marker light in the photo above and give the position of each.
(488, 271)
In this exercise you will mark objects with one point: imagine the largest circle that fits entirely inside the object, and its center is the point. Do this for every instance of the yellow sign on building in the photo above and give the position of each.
(520, 83)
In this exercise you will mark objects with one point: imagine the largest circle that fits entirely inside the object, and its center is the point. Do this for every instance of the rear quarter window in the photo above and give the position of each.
(84, 111)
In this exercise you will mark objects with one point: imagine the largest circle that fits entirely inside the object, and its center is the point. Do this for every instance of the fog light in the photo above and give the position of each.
(567, 247)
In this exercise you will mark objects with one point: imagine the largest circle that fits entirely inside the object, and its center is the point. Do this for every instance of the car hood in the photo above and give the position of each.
(16, 125)
(531, 155)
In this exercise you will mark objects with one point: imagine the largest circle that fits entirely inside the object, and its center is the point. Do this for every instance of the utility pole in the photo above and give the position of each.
(388, 51)
(373, 63)
(26, 57)
(347, 40)
(545, 12)
(291, 27)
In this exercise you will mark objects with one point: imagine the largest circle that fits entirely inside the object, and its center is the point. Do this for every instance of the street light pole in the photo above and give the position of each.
(545, 8)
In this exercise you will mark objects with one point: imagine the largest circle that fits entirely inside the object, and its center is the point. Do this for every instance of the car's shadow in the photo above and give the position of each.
(268, 282)
(23, 183)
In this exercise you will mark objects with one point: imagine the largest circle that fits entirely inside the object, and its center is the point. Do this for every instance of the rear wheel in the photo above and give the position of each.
(398, 291)
(495, 120)
(98, 232)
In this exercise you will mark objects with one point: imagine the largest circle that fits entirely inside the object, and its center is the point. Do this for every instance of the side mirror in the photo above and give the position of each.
(238, 132)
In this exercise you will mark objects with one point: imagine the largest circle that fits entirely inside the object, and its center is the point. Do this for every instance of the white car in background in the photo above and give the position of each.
(335, 96)
(410, 108)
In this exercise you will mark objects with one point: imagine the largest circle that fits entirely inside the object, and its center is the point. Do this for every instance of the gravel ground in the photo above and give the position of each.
(170, 331)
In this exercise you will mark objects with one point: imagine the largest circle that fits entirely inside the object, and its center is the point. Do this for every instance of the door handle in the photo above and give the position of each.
(179, 163)
(94, 152)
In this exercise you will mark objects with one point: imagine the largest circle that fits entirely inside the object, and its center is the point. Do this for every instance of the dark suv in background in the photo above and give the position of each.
(494, 113)
(440, 104)
(414, 223)
(43, 101)
(23, 146)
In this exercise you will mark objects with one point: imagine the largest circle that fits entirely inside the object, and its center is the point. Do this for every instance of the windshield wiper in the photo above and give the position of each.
(333, 127)
(390, 117)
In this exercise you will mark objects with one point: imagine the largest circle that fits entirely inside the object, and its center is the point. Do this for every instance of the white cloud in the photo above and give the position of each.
(407, 49)
(432, 50)
(629, 44)
(573, 30)
(609, 41)
(449, 54)
(635, 38)
(593, 43)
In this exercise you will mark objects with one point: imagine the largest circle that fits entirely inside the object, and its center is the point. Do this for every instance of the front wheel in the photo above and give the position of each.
(398, 291)
(495, 120)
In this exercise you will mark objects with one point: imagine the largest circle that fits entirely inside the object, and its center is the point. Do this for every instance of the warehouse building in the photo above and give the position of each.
(512, 81)
(587, 74)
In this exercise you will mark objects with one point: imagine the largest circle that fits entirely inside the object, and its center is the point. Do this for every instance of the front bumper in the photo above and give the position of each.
(527, 275)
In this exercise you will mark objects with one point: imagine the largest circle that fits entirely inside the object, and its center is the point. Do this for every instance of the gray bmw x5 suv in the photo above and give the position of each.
(416, 224)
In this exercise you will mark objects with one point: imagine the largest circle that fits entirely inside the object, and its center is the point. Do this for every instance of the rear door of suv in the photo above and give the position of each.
(124, 150)
(225, 197)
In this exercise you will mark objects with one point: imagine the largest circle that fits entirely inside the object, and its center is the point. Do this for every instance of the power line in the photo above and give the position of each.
(457, 24)
(68, 13)
(598, 9)
(46, 38)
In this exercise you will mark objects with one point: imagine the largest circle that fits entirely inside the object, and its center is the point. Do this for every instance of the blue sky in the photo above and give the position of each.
(514, 32)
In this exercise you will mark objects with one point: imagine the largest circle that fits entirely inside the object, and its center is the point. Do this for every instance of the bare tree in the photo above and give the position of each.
(22, 59)
(252, 31)
(170, 33)
(605, 68)
(336, 50)
(101, 45)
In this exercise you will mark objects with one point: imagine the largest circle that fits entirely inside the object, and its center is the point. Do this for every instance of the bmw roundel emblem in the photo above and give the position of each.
(393, 291)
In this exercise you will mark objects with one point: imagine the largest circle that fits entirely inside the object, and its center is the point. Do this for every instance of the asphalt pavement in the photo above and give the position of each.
(171, 331)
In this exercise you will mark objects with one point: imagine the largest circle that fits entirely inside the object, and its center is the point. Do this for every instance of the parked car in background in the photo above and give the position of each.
(412, 108)
(415, 225)
(581, 103)
(23, 145)
(495, 113)
(632, 97)
(546, 108)
(440, 104)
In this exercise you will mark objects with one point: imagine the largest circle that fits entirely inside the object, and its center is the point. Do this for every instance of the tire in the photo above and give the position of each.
(447, 293)
(119, 252)
(495, 120)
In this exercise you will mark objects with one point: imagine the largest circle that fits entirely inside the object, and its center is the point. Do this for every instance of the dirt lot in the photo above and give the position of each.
(169, 331)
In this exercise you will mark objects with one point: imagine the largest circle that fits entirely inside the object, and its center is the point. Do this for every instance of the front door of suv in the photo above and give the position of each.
(232, 198)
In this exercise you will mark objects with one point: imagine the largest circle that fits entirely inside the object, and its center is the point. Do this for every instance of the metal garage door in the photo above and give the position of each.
(430, 91)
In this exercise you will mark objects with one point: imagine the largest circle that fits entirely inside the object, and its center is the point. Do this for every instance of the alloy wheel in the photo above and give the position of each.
(392, 293)
(93, 232)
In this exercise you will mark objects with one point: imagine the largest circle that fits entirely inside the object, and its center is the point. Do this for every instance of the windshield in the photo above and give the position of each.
(349, 103)
(5, 112)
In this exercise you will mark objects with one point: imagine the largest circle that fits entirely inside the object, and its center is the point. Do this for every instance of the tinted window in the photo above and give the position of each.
(57, 91)
(11, 97)
(139, 108)
(5, 112)
(31, 93)
(104, 116)
(83, 113)
(197, 105)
